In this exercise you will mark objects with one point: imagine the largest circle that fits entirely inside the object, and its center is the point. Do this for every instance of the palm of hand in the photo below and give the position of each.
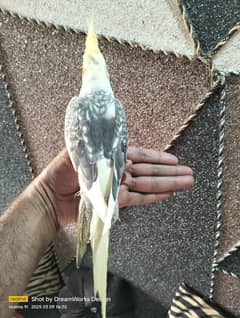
(150, 176)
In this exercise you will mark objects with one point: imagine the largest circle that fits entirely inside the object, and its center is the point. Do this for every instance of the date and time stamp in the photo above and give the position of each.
(48, 302)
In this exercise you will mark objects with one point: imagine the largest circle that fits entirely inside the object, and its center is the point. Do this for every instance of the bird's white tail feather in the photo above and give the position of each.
(112, 210)
(99, 244)
(97, 200)
(100, 196)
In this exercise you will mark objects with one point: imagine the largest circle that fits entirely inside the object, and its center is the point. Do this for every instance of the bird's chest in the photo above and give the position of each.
(102, 111)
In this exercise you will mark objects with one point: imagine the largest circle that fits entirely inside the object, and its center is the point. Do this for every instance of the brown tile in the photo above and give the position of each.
(226, 292)
(230, 231)
(43, 66)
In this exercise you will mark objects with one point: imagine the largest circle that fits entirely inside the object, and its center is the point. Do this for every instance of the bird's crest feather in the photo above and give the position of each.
(91, 41)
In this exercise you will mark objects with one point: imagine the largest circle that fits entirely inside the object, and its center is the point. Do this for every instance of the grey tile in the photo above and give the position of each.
(212, 20)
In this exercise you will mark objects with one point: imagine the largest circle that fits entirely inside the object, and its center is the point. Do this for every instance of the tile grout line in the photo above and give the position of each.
(220, 167)
(225, 40)
(219, 45)
(16, 121)
(196, 111)
(190, 29)
(232, 250)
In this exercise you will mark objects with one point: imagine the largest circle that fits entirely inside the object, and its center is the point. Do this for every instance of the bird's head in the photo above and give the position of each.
(94, 65)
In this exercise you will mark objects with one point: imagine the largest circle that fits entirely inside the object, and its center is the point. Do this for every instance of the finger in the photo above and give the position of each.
(152, 156)
(134, 198)
(144, 169)
(157, 184)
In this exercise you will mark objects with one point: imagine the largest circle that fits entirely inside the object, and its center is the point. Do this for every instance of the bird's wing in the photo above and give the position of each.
(119, 157)
(83, 135)
(78, 142)
(97, 148)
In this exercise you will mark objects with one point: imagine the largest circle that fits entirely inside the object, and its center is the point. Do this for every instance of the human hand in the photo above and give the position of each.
(152, 176)
(149, 176)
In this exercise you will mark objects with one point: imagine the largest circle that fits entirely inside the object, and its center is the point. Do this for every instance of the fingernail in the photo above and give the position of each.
(171, 158)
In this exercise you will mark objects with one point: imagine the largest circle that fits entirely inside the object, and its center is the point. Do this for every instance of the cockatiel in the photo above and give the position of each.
(96, 140)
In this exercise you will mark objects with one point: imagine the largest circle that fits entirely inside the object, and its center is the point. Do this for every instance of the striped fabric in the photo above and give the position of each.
(47, 279)
(187, 304)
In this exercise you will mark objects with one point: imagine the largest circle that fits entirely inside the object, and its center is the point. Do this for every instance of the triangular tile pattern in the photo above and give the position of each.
(231, 262)
(226, 292)
(230, 229)
(14, 170)
(188, 303)
(227, 58)
(159, 246)
(136, 20)
(211, 20)
(159, 91)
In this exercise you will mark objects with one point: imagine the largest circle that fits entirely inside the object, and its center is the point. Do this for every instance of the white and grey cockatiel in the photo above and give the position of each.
(96, 140)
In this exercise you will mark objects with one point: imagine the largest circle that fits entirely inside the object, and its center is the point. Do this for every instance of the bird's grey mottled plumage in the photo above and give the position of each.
(93, 134)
